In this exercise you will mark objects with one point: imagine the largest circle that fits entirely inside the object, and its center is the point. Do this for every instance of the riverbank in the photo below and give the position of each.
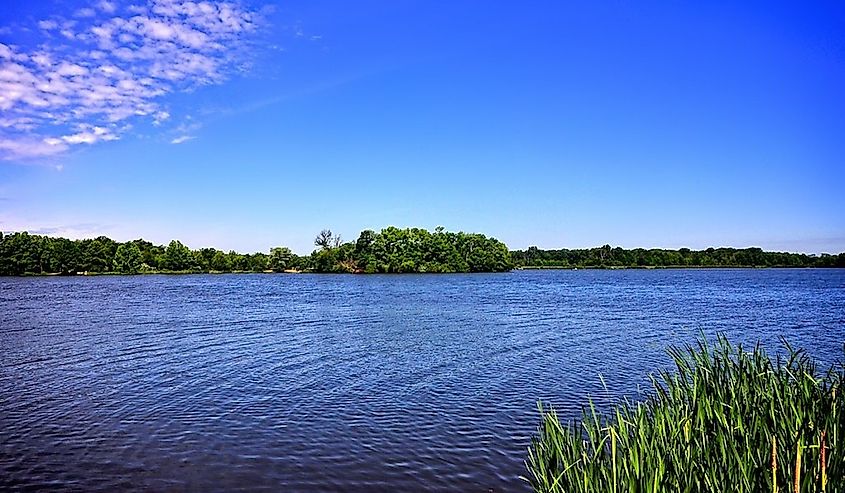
(610, 257)
(653, 267)
(151, 273)
(293, 271)
(390, 251)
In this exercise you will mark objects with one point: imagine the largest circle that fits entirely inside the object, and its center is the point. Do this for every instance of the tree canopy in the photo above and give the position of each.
(23, 253)
(607, 257)
(393, 250)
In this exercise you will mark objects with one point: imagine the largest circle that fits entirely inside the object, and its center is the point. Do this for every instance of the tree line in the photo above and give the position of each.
(23, 253)
(607, 257)
(392, 250)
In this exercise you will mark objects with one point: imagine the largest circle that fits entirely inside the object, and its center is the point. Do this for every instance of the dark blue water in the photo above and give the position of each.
(350, 383)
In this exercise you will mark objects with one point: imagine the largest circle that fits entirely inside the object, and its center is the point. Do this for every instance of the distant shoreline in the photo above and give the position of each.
(523, 268)
(673, 267)
(389, 251)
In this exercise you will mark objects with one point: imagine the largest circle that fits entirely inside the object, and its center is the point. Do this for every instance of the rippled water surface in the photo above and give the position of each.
(351, 383)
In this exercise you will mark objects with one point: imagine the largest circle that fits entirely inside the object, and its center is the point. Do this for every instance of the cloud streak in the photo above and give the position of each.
(104, 68)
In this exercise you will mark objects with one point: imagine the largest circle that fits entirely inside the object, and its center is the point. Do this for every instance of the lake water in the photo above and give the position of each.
(350, 383)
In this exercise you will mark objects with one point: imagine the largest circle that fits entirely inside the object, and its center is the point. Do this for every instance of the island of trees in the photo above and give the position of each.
(392, 250)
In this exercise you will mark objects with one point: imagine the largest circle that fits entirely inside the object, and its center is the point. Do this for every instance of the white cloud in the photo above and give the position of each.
(86, 12)
(118, 65)
(42, 59)
(28, 147)
(182, 139)
(160, 117)
(77, 231)
(80, 138)
(71, 69)
(86, 135)
(48, 25)
(107, 7)
(19, 122)
(104, 34)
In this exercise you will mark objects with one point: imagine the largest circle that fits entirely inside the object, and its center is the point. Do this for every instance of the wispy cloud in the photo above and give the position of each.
(186, 130)
(105, 66)
(72, 231)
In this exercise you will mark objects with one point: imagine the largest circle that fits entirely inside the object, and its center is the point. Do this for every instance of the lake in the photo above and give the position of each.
(351, 383)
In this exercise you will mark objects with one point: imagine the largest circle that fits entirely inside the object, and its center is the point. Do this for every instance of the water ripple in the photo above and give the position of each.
(350, 383)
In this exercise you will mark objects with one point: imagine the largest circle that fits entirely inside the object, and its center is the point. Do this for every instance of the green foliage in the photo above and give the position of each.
(64, 256)
(127, 258)
(178, 257)
(257, 262)
(726, 420)
(97, 254)
(220, 262)
(392, 250)
(23, 253)
(606, 256)
(416, 250)
(281, 258)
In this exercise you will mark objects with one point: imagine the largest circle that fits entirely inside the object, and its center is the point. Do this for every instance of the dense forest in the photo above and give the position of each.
(607, 257)
(392, 250)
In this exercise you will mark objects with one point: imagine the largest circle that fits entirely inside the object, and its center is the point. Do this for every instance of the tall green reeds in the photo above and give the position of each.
(725, 420)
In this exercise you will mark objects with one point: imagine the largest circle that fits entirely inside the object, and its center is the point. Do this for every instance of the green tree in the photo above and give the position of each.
(395, 250)
(64, 257)
(20, 254)
(128, 258)
(204, 257)
(390, 250)
(220, 262)
(280, 259)
(178, 257)
(258, 262)
(98, 254)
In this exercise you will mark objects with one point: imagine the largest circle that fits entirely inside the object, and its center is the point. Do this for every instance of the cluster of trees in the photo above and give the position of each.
(23, 253)
(606, 256)
(391, 250)
(395, 250)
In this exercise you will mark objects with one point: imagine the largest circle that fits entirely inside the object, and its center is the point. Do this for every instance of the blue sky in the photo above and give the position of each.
(247, 125)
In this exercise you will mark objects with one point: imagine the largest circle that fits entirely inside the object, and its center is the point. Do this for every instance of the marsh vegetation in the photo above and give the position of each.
(726, 419)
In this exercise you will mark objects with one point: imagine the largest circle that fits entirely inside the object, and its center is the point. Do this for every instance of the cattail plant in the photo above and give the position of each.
(723, 420)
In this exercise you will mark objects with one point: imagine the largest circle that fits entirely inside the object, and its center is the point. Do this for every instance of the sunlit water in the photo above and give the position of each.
(350, 383)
